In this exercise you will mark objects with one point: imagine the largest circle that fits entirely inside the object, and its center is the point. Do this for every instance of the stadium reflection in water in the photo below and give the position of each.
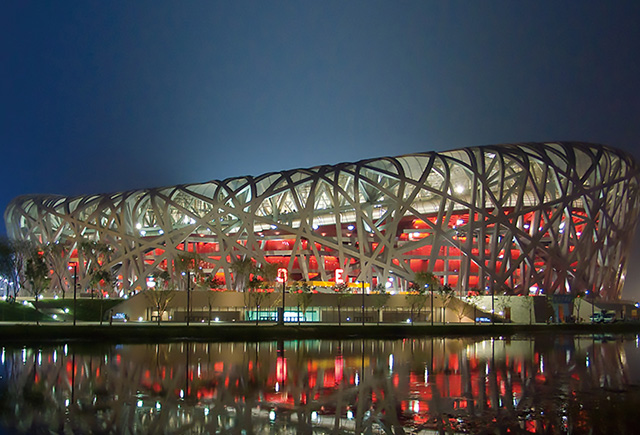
(542, 384)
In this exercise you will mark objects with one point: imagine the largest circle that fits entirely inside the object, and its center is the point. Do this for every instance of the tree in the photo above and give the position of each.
(213, 286)
(416, 300)
(379, 301)
(242, 270)
(425, 280)
(304, 297)
(57, 257)
(96, 256)
(466, 306)
(447, 294)
(577, 302)
(13, 259)
(162, 279)
(162, 293)
(341, 298)
(263, 278)
(257, 295)
(268, 272)
(184, 264)
(422, 281)
(159, 299)
(213, 282)
(101, 278)
(502, 304)
(7, 264)
(530, 303)
(37, 273)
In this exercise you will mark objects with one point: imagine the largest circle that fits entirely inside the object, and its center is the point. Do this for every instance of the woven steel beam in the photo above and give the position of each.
(548, 218)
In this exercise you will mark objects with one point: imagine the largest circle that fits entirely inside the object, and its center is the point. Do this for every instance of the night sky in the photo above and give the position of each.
(103, 96)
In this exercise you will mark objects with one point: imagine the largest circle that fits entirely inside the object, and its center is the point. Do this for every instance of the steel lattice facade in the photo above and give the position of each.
(532, 217)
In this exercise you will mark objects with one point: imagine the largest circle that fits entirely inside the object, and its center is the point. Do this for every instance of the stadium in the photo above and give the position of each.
(529, 218)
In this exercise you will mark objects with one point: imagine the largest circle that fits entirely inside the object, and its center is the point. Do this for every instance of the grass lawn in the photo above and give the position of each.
(87, 310)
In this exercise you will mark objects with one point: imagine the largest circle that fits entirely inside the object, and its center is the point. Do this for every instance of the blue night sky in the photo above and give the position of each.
(102, 96)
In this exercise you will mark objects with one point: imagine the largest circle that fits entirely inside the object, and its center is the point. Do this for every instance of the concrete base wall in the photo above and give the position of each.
(233, 306)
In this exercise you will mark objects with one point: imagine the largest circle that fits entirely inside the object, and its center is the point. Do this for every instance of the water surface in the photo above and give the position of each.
(540, 384)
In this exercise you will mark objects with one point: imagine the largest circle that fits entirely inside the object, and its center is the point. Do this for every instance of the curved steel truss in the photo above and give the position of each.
(552, 218)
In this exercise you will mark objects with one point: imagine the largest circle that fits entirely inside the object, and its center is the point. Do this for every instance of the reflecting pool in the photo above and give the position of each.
(535, 384)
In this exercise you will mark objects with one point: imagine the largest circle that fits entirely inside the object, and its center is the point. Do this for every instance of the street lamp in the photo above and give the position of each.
(282, 276)
(284, 284)
(458, 235)
(362, 302)
(493, 310)
(75, 285)
(431, 291)
(188, 274)
(459, 263)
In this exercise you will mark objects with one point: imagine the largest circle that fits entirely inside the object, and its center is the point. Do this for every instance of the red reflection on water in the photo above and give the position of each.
(466, 380)
(338, 368)
(281, 369)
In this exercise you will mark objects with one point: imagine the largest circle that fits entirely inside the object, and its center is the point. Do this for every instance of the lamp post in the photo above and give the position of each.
(363, 303)
(284, 284)
(459, 284)
(282, 277)
(188, 274)
(431, 291)
(75, 285)
(493, 311)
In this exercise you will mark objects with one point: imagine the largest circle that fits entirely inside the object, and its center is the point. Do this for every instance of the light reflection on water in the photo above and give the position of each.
(542, 384)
